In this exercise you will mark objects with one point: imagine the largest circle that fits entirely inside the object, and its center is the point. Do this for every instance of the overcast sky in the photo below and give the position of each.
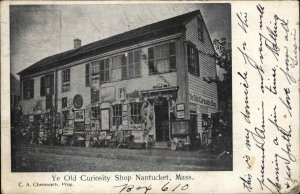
(38, 31)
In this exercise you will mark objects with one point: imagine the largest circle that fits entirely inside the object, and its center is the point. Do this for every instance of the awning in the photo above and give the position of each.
(161, 92)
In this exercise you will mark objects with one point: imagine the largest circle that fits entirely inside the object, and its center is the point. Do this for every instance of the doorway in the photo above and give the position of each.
(161, 108)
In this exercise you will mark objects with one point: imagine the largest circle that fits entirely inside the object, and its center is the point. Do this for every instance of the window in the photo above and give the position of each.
(28, 89)
(162, 58)
(66, 84)
(64, 102)
(132, 68)
(135, 112)
(95, 72)
(104, 70)
(87, 75)
(200, 29)
(96, 112)
(193, 59)
(47, 85)
(117, 114)
(116, 67)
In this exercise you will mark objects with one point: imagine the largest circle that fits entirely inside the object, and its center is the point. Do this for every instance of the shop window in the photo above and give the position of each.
(96, 112)
(104, 70)
(66, 84)
(200, 29)
(47, 85)
(135, 112)
(162, 58)
(87, 75)
(117, 114)
(193, 59)
(28, 89)
(64, 102)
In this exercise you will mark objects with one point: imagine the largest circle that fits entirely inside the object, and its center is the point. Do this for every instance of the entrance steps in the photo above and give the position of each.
(161, 145)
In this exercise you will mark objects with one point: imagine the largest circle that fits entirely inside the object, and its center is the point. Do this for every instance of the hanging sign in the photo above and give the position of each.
(105, 119)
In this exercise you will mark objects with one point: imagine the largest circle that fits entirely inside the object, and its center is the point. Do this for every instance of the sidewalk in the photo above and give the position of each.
(197, 157)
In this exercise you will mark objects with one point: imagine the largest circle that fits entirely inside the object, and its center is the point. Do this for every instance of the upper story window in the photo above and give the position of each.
(115, 68)
(28, 89)
(132, 67)
(47, 85)
(162, 58)
(193, 59)
(104, 70)
(200, 29)
(66, 81)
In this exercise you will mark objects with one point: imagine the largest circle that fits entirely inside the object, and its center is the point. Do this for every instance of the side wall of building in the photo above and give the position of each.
(202, 95)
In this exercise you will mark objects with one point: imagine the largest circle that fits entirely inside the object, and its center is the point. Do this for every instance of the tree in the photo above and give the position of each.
(223, 60)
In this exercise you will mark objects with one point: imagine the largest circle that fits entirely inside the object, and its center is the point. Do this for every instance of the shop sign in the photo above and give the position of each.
(79, 115)
(105, 119)
(180, 115)
(95, 96)
(31, 118)
(108, 94)
(201, 100)
(180, 107)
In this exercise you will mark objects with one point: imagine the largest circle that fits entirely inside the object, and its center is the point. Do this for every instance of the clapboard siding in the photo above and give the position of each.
(77, 77)
(207, 64)
(30, 104)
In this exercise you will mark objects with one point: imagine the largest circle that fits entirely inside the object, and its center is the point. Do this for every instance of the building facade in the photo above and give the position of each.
(145, 83)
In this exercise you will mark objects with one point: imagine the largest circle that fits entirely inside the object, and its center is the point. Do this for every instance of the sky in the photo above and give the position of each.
(38, 31)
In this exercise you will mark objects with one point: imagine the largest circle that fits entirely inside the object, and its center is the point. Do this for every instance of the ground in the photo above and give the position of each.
(45, 158)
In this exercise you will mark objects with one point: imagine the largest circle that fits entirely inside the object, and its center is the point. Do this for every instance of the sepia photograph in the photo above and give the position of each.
(121, 87)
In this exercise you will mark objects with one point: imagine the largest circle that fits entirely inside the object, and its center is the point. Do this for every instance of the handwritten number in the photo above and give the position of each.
(185, 187)
(165, 188)
(176, 187)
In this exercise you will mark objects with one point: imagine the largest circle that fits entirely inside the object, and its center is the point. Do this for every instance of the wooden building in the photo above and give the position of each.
(135, 83)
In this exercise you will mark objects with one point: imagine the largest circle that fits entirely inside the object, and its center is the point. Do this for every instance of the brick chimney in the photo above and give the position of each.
(77, 43)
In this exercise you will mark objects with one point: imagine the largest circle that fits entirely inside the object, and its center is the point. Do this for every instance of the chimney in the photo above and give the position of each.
(77, 43)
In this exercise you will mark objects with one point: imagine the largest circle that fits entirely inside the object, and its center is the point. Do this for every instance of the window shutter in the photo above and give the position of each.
(32, 88)
(42, 90)
(172, 56)
(51, 78)
(189, 55)
(87, 75)
(197, 62)
(124, 67)
(151, 60)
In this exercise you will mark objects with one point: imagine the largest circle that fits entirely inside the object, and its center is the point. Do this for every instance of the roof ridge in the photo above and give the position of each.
(176, 20)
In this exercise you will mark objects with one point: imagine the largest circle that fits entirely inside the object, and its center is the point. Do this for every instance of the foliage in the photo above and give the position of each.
(223, 60)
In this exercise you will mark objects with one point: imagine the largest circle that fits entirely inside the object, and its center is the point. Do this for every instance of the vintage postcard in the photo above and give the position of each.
(149, 97)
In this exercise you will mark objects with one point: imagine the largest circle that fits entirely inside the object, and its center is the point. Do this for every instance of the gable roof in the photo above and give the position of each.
(149, 32)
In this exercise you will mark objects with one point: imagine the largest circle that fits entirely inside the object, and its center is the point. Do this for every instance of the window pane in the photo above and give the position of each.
(172, 48)
(173, 62)
(137, 56)
(150, 53)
